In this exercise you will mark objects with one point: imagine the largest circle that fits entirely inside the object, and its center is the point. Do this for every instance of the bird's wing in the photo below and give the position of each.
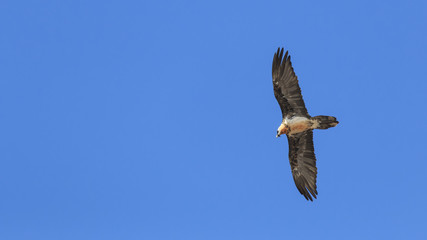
(286, 88)
(303, 163)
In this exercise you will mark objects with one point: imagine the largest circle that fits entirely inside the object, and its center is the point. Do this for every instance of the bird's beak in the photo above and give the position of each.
(277, 135)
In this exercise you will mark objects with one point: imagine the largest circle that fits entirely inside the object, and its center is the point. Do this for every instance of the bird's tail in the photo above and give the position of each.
(324, 122)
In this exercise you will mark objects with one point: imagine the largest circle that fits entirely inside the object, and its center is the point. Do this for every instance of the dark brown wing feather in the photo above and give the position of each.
(303, 163)
(286, 88)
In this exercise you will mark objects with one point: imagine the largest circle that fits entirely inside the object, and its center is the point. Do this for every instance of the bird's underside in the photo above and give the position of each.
(297, 124)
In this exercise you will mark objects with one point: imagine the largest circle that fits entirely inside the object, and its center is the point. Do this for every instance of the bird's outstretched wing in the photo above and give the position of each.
(286, 88)
(303, 163)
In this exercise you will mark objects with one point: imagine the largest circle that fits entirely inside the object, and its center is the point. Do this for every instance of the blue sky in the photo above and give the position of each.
(156, 119)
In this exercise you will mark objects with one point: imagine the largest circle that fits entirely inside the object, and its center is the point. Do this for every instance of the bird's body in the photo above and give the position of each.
(297, 124)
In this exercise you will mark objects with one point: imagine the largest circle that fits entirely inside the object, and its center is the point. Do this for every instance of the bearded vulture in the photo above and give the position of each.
(297, 124)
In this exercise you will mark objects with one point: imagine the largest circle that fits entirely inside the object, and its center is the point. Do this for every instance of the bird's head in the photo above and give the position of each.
(283, 129)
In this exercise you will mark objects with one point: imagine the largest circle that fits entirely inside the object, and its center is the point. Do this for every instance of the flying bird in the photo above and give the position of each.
(297, 124)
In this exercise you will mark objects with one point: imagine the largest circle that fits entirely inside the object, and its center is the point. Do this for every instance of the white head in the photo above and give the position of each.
(283, 129)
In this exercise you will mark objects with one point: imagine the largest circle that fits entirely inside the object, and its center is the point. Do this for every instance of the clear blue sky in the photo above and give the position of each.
(156, 120)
